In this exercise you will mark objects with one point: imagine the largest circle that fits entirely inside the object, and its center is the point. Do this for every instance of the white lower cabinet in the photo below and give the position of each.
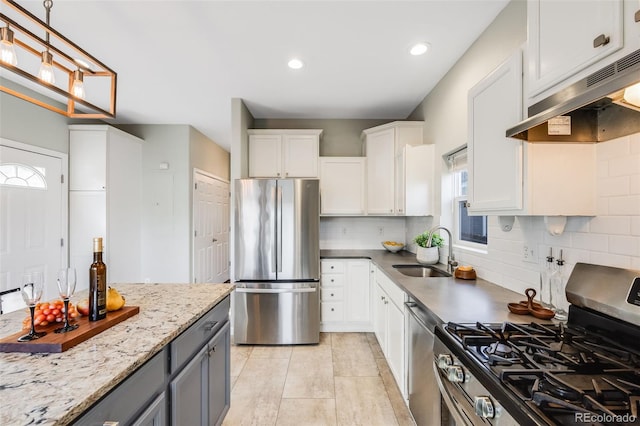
(389, 326)
(345, 295)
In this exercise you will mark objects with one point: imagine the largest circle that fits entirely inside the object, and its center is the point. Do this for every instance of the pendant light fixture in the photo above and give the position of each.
(7, 49)
(87, 91)
(77, 87)
(46, 65)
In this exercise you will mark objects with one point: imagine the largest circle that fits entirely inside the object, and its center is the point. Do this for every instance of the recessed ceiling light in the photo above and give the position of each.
(295, 64)
(419, 49)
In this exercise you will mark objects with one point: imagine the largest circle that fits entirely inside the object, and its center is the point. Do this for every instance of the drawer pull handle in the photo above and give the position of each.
(209, 325)
(601, 40)
(211, 350)
(332, 309)
(110, 423)
(331, 267)
(331, 294)
(332, 279)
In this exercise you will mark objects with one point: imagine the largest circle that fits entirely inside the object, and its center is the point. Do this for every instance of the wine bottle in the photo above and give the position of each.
(97, 284)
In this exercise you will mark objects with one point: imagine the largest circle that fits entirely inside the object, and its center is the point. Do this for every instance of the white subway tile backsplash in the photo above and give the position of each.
(624, 166)
(612, 186)
(635, 225)
(578, 224)
(634, 141)
(627, 245)
(608, 259)
(616, 148)
(634, 184)
(593, 242)
(627, 206)
(618, 225)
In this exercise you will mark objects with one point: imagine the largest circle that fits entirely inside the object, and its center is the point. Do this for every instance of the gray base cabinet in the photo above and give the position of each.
(156, 414)
(187, 383)
(200, 393)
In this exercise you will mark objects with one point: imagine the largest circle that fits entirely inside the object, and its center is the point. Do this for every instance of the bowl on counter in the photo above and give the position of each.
(392, 246)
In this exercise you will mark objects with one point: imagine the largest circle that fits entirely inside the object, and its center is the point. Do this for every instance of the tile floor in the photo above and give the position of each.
(344, 380)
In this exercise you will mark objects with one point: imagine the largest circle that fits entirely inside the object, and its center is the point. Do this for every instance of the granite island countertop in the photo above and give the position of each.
(53, 389)
(446, 298)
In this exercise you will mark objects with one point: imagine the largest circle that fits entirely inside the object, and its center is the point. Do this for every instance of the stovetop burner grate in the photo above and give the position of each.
(559, 370)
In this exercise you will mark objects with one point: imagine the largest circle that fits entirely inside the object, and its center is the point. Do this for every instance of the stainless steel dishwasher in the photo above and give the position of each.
(424, 395)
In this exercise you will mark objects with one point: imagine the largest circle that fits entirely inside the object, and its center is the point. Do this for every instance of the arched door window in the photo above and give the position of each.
(13, 174)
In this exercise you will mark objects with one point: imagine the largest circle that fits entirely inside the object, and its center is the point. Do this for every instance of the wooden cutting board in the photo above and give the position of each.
(55, 343)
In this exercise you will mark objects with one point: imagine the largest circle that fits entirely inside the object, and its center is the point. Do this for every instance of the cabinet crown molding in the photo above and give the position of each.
(392, 125)
(315, 132)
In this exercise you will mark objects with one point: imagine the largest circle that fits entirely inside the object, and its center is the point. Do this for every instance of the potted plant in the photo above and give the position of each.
(428, 247)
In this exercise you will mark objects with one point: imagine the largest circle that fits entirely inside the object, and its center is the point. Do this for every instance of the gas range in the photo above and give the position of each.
(584, 372)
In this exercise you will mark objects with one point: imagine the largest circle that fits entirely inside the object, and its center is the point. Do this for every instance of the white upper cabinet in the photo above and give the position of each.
(380, 150)
(414, 180)
(284, 153)
(105, 200)
(508, 176)
(495, 162)
(342, 185)
(568, 37)
(398, 183)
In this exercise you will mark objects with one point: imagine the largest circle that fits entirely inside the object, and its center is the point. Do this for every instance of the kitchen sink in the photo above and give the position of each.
(413, 270)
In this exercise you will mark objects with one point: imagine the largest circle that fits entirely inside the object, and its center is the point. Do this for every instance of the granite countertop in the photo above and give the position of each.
(445, 298)
(52, 389)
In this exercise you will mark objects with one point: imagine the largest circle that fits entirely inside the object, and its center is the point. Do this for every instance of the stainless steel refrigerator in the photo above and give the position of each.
(277, 261)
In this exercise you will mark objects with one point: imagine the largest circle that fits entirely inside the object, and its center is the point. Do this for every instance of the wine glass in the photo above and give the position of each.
(66, 287)
(32, 286)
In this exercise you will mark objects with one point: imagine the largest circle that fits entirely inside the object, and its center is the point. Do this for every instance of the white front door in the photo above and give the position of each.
(32, 215)
(211, 229)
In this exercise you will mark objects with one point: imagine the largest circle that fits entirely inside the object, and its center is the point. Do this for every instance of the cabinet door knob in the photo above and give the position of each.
(601, 40)
(332, 309)
(331, 294)
(332, 280)
(332, 267)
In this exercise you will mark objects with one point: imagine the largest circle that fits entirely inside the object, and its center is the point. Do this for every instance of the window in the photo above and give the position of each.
(470, 231)
(23, 175)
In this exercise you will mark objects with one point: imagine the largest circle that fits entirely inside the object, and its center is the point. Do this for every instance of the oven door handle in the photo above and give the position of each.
(460, 418)
(276, 290)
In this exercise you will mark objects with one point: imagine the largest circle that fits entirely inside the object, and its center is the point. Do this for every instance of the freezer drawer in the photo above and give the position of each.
(276, 313)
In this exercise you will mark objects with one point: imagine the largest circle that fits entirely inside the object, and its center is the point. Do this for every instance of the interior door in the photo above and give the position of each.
(32, 213)
(211, 229)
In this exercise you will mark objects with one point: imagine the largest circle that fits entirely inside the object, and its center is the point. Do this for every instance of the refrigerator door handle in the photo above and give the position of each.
(276, 290)
(274, 256)
(279, 229)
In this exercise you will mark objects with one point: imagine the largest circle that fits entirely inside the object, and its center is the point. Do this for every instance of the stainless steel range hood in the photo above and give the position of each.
(596, 106)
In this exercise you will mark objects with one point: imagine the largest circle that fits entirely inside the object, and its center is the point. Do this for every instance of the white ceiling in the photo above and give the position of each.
(181, 62)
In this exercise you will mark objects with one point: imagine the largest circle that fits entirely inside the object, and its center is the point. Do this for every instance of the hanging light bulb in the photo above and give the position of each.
(7, 49)
(77, 89)
(46, 68)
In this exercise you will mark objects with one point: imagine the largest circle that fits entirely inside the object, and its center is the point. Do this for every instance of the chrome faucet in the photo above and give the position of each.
(451, 261)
